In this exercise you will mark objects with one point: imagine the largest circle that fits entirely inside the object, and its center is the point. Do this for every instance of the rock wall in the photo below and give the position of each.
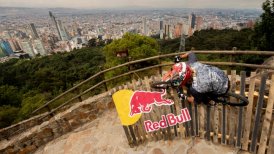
(56, 126)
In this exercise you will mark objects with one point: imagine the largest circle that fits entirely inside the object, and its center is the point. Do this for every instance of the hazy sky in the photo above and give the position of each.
(137, 3)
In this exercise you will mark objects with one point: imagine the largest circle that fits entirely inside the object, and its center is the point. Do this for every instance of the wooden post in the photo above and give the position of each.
(196, 119)
(78, 92)
(191, 121)
(240, 115)
(249, 109)
(132, 135)
(270, 149)
(208, 122)
(224, 121)
(258, 114)
(224, 124)
(267, 119)
(216, 124)
(232, 119)
(178, 111)
(185, 124)
(130, 141)
(202, 120)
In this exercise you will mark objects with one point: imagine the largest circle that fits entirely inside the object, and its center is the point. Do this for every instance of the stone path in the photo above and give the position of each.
(105, 135)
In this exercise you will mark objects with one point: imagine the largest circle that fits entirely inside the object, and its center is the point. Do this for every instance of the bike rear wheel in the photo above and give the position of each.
(242, 101)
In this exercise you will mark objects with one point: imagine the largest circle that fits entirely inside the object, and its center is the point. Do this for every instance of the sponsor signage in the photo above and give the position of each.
(131, 105)
(167, 120)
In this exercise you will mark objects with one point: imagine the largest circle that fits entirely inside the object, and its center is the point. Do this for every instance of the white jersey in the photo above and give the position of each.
(207, 78)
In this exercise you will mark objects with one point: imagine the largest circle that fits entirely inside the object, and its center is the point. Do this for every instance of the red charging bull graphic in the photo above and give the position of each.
(142, 101)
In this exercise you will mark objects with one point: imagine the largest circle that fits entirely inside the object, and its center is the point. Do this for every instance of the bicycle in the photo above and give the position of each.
(223, 99)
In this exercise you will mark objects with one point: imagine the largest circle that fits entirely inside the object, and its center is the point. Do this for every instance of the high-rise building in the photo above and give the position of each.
(2, 53)
(145, 27)
(62, 33)
(14, 44)
(168, 31)
(199, 23)
(39, 47)
(192, 20)
(79, 31)
(178, 30)
(161, 29)
(55, 23)
(6, 47)
(6, 35)
(27, 48)
(34, 33)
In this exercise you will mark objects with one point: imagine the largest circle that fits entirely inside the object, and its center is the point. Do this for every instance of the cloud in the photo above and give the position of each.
(141, 3)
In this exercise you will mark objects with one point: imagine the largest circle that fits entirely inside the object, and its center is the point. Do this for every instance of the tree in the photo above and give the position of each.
(137, 46)
(27, 84)
(10, 95)
(7, 115)
(264, 29)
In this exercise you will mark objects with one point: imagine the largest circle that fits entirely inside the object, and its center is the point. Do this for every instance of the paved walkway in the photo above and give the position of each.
(106, 135)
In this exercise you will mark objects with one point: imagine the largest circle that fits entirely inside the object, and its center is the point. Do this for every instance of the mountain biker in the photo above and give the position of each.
(202, 81)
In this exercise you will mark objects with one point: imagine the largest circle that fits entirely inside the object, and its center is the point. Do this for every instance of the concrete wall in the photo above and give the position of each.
(60, 124)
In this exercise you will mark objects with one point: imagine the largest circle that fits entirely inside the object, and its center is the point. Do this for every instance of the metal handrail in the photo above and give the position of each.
(266, 53)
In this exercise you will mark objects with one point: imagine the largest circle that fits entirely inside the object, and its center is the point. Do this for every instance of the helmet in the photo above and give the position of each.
(181, 73)
(177, 59)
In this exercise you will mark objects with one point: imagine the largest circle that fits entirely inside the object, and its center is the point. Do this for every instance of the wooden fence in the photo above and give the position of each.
(249, 128)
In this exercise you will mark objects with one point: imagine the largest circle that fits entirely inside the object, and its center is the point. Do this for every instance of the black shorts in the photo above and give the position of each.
(201, 97)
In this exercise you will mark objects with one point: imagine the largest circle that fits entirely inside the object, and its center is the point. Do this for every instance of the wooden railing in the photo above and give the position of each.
(75, 95)
(101, 74)
(248, 128)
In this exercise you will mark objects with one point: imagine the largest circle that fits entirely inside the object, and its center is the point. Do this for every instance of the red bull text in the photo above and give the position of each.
(142, 101)
(167, 121)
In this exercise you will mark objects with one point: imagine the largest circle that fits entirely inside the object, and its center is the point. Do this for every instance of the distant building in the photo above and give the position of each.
(2, 53)
(199, 23)
(55, 23)
(250, 24)
(79, 31)
(192, 24)
(145, 30)
(186, 28)
(6, 47)
(144, 26)
(34, 33)
(167, 31)
(62, 33)
(39, 47)
(161, 29)
(63, 46)
(14, 45)
(27, 48)
(6, 35)
(192, 20)
(178, 30)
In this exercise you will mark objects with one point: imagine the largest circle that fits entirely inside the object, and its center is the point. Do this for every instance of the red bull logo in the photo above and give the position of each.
(130, 105)
(142, 101)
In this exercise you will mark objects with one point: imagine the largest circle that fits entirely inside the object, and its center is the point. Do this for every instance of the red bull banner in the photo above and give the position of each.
(131, 105)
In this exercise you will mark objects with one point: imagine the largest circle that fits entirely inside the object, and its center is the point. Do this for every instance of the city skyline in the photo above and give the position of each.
(243, 4)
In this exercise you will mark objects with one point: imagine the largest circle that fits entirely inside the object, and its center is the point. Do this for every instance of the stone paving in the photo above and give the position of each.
(106, 135)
